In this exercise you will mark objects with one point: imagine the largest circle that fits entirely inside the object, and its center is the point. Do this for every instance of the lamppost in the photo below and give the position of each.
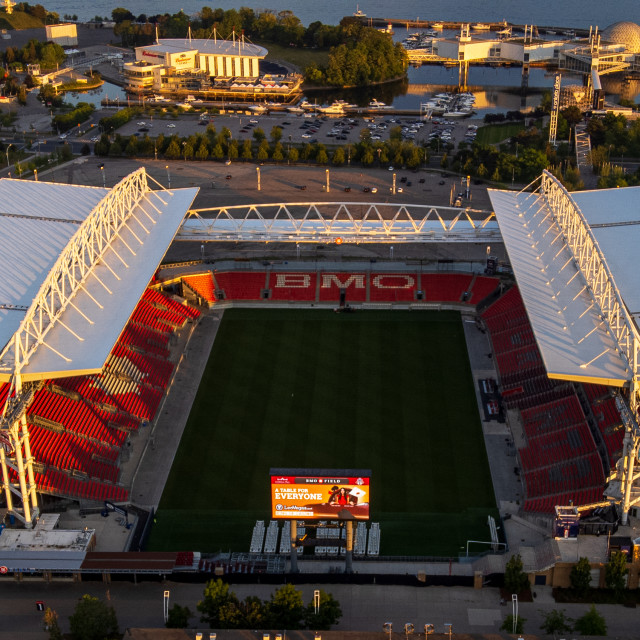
(387, 627)
(168, 175)
(8, 146)
(379, 151)
(348, 155)
(104, 180)
(327, 174)
(258, 173)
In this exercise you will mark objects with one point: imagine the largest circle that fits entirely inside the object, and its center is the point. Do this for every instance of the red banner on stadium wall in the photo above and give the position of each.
(320, 497)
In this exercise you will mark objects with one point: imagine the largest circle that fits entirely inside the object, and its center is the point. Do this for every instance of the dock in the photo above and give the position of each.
(493, 26)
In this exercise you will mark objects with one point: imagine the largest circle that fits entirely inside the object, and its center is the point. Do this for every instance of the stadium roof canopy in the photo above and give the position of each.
(75, 261)
(575, 340)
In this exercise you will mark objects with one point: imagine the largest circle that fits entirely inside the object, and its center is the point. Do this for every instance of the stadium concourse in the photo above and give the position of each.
(88, 346)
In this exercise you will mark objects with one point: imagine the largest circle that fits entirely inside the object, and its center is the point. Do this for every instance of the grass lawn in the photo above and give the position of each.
(495, 133)
(301, 57)
(19, 20)
(389, 391)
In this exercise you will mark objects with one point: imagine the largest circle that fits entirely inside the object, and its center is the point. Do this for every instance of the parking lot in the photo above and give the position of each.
(305, 128)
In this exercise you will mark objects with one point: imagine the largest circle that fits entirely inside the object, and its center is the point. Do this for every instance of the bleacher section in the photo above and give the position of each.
(446, 287)
(257, 538)
(79, 426)
(271, 539)
(358, 287)
(240, 285)
(373, 545)
(201, 285)
(354, 285)
(607, 418)
(296, 287)
(559, 457)
(388, 287)
(481, 287)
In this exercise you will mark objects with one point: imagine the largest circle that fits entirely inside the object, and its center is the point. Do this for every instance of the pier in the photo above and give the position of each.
(493, 26)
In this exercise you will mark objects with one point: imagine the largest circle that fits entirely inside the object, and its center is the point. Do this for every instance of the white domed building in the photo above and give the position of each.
(626, 33)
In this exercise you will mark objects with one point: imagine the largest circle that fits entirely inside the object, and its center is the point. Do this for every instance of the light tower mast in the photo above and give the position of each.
(8, 6)
(553, 126)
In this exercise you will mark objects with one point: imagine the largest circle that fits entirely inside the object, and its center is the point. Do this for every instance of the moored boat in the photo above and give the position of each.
(376, 104)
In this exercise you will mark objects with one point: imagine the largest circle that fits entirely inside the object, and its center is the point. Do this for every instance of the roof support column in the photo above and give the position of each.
(630, 452)
(6, 484)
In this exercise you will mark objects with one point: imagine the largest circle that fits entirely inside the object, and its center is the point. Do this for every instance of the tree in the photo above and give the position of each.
(367, 157)
(263, 150)
(247, 152)
(616, 572)
(253, 613)
(276, 133)
(515, 579)
(278, 152)
(232, 150)
(507, 625)
(173, 150)
(444, 162)
(321, 156)
(581, 576)
(216, 597)
(93, 620)
(293, 155)
(286, 608)
(591, 623)
(178, 617)
(120, 15)
(258, 134)
(51, 624)
(338, 159)
(329, 613)
(555, 622)
(203, 151)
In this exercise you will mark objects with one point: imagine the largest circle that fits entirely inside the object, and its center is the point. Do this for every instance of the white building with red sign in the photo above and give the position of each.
(174, 64)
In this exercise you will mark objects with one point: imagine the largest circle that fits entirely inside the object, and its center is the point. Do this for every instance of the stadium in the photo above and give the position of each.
(379, 365)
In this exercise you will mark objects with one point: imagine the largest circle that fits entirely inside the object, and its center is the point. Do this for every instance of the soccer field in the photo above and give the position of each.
(389, 391)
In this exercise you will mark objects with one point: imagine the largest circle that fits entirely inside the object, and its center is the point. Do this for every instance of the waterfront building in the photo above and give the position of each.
(212, 66)
(64, 34)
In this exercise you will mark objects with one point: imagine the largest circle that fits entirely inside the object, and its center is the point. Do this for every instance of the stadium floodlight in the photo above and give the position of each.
(387, 627)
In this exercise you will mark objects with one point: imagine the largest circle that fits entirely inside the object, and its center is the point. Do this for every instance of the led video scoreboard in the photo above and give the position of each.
(320, 494)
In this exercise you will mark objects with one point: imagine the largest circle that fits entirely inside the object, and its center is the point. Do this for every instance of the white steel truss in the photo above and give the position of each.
(73, 266)
(349, 222)
(600, 284)
(67, 276)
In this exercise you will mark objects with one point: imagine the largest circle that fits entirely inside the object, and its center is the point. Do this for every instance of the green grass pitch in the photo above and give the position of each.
(389, 391)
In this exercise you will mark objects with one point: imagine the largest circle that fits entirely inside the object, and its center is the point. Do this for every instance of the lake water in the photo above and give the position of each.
(574, 13)
(95, 96)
